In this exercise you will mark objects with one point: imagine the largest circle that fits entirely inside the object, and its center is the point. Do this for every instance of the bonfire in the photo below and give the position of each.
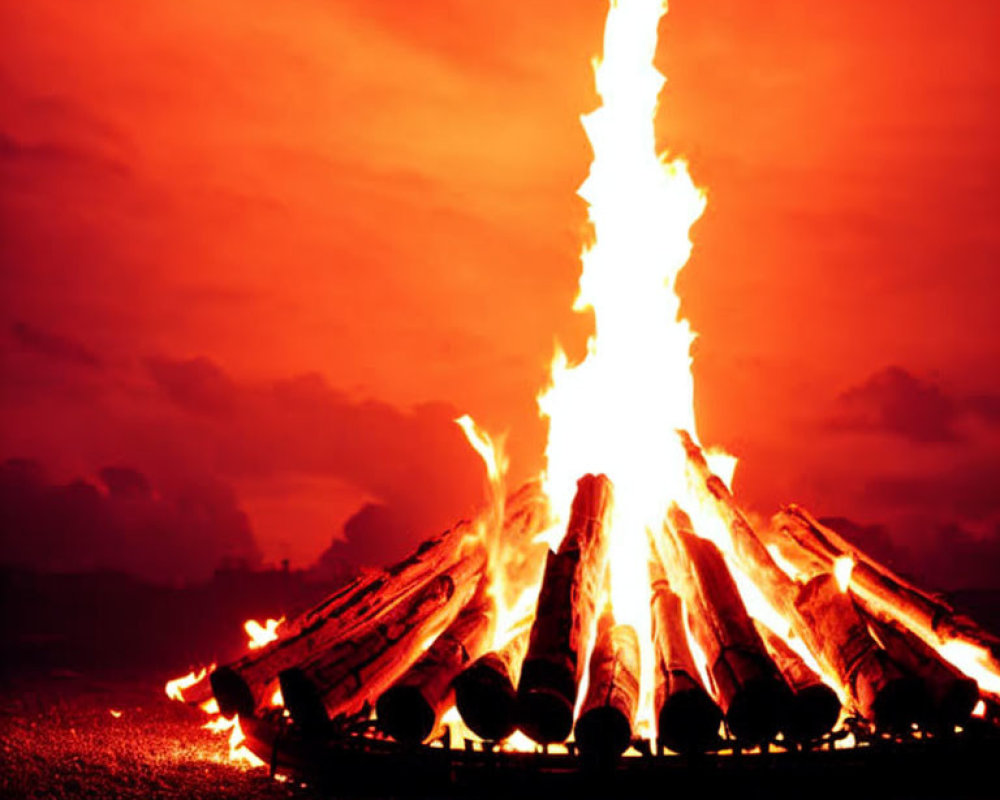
(624, 597)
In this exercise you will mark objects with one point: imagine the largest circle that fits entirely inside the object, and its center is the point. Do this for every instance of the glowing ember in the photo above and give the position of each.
(210, 706)
(115, 713)
(238, 751)
(974, 662)
(519, 743)
(842, 569)
(786, 566)
(261, 635)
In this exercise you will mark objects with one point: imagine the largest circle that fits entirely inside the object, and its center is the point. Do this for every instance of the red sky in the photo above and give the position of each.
(272, 248)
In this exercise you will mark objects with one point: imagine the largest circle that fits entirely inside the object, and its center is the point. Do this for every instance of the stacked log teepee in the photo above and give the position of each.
(419, 637)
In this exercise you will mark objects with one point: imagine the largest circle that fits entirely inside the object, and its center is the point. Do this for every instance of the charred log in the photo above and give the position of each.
(835, 632)
(604, 730)
(357, 670)
(241, 687)
(688, 719)
(952, 695)
(823, 617)
(485, 692)
(247, 684)
(815, 706)
(750, 552)
(411, 709)
(564, 616)
(747, 685)
(813, 547)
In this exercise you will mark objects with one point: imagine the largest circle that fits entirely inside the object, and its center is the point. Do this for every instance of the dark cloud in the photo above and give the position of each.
(126, 483)
(896, 402)
(294, 443)
(56, 155)
(874, 540)
(414, 466)
(196, 385)
(52, 345)
(967, 490)
(942, 555)
(119, 523)
(985, 407)
(369, 535)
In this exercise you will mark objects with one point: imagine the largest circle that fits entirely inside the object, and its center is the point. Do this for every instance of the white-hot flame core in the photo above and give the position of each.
(261, 635)
(617, 412)
(973, 661)
(842, 569)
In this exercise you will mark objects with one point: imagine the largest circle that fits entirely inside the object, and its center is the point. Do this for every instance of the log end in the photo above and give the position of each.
(487, 702)
(689, 722)
(759, 710)
(545, 715)
(546, 696)
(603, 734)
(303, 700)
(956, 705)
(815, 710)
(404, 714)
(232, 693)
(900, 703)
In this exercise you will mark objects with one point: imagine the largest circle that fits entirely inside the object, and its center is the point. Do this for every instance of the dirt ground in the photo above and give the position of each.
(59, 739)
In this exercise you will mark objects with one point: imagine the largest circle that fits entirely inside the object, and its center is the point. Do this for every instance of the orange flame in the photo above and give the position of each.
(842, 569)
(974, 661)
(210, 706)
(277, 701)
(238, 751)
(175, 688)
(617, 411)
(258, 635)
(492, 454)
(261, 635)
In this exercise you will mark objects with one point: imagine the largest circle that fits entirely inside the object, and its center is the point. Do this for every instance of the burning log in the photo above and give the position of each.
(813, 547)
(837, 635)
(748, 687)
(357, 670)
(688, 718)
(246, 684)
(485, 692)
(411, 710)
(750, 552)
(564, 616)
(240, 687)
(815, 707)
(819, 614)
(952, 694)
(604, 729)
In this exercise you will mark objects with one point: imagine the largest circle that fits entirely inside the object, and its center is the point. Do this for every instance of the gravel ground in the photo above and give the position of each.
(58, 739)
